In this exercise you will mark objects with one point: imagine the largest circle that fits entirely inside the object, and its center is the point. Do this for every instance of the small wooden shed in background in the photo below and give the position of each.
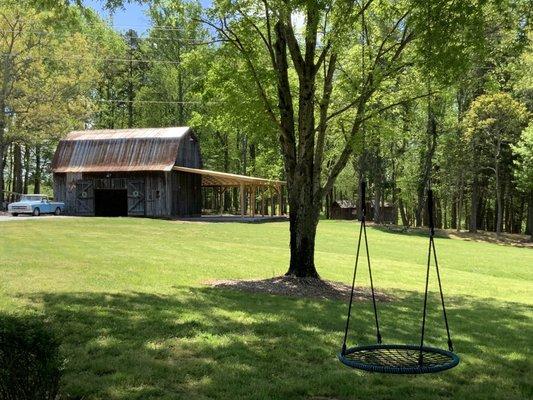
(343, 209)
(346, 209)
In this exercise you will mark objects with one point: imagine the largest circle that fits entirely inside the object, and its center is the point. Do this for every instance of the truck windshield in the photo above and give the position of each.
(31, 198)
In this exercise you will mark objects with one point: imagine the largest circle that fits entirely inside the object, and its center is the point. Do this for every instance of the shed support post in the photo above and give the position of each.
(283, 200)
(272, 202)
(242, 199)
(278, 189)
(252, 201)
(262, 201)
(221, 191)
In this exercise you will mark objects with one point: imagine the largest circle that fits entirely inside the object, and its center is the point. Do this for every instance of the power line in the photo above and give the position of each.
(191, 41)
(107, 59)
(156, 61)
(126, 27)
(154, 101)
(146, 27)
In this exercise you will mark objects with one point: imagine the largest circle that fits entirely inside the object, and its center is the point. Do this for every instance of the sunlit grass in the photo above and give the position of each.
(127, 298)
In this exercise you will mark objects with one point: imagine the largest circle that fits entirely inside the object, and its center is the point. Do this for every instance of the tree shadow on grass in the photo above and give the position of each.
(409, 231)
(508, 239)
(214, 343)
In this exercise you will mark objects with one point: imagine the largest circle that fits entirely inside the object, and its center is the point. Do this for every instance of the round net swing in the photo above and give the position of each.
(398, 358)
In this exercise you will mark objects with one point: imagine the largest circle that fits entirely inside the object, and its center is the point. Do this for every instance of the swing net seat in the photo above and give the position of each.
(398, 359)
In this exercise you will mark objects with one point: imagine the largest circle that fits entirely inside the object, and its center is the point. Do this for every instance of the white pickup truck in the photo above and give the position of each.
(35, 204)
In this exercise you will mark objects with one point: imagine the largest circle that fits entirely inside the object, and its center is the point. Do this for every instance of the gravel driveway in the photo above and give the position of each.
(8, 217)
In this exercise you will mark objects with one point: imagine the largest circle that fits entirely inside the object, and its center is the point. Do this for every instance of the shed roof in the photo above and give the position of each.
(345, 204)
(216, 178)
(151, 149)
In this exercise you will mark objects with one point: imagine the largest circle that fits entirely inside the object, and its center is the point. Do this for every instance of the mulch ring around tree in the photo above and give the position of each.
(299, 287)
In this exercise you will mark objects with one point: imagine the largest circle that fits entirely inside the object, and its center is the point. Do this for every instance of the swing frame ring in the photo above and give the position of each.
(399, 359)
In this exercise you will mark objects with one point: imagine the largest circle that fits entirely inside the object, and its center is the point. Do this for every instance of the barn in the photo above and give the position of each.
(153, 172)
(128, 172)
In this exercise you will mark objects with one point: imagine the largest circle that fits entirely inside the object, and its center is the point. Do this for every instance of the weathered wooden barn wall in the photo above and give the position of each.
(153, 194)
(187, 190)
(60, 189)
(139, 161)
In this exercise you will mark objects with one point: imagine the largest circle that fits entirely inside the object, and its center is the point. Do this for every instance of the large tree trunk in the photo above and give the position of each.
(517, 223)
(26, 169)
(37, 174)
(529, 222)
(460, 202)
(2, 169)
(405, 220)
(498, 191)
(473, 204)
(440, 219)
(3, 152)
(301, 168)
(6, 75)
(453, 212)
(303, 217)
(377, 203)
(17, 169)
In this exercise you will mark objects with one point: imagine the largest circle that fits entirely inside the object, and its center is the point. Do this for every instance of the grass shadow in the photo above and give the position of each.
(507, 239)
(410, 231)
(216, 343)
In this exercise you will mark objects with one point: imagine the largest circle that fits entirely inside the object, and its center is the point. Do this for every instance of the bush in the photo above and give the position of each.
(30, 365)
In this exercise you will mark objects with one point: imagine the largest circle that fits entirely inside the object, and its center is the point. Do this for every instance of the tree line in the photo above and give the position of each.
(406, 95)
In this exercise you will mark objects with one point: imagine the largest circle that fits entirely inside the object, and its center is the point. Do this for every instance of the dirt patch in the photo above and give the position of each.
(298, 287)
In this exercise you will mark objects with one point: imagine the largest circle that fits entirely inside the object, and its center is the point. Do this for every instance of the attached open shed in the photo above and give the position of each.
(128, 172)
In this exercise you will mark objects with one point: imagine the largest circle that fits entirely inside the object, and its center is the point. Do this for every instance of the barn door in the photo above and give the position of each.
(85, 197)
(136, 201)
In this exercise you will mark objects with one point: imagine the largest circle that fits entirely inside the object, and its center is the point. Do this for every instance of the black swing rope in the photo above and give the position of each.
(362, 230)
(430, 200)
(397, 358)
(430, 249)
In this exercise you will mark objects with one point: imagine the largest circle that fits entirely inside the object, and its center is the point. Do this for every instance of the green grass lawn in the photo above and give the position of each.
(126, 297)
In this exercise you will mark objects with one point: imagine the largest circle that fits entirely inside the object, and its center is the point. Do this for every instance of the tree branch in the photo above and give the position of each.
(233, 38)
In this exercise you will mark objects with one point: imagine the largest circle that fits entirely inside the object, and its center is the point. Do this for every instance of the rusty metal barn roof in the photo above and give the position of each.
(152, 149)
(134, 133)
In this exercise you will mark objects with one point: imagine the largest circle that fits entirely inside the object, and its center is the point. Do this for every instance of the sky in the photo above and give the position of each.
(132, 16)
